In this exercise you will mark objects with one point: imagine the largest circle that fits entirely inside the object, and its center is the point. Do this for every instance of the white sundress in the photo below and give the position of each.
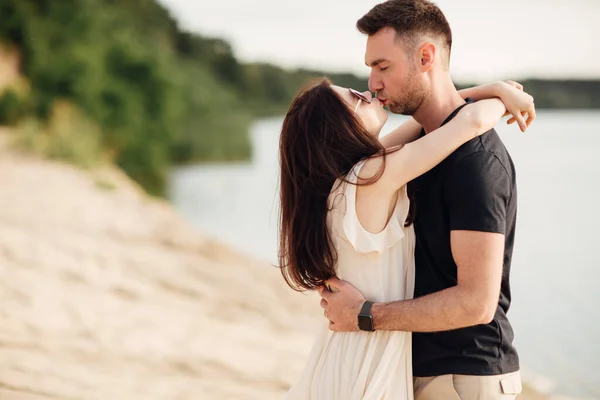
(364, 365)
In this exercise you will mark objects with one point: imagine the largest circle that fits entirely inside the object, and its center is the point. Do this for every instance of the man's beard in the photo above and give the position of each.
(412, 98)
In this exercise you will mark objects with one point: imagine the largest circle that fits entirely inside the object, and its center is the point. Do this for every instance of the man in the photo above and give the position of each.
(465, 222)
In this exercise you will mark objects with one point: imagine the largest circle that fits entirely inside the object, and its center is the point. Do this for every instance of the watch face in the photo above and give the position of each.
(365, 323)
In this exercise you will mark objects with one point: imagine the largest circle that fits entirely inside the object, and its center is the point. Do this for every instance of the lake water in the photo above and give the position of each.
(556, 262)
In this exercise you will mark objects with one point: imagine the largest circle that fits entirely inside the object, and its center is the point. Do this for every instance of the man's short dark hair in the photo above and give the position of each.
(410, 19)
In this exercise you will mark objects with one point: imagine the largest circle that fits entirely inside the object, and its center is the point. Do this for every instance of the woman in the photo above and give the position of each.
(330, 157)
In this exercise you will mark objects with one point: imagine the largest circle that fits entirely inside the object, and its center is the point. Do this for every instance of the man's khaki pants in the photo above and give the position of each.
(468, 387)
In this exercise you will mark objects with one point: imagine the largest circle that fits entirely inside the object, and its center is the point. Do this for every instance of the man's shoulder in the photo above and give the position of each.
(488, 146)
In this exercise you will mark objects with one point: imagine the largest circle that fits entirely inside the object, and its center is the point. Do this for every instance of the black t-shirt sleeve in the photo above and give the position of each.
(478, 191)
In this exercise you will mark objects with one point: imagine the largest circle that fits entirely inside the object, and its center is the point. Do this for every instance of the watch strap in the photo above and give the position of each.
(366, 308)
(365, 319)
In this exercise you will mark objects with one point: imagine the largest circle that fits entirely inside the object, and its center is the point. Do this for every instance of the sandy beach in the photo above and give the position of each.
(108, 294)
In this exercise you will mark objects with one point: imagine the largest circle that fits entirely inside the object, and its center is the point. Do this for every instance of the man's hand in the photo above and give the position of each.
(342, 305)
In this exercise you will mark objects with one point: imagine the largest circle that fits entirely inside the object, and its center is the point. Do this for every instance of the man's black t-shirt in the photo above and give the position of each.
(473, 189)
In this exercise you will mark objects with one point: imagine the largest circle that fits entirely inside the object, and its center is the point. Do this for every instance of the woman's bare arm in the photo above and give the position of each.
(410, 130)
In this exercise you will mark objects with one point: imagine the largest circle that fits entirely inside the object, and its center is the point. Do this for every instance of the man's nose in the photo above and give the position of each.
(375, 84)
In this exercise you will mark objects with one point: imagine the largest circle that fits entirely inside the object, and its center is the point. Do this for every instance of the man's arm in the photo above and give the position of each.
(473, 301)
(479, 190)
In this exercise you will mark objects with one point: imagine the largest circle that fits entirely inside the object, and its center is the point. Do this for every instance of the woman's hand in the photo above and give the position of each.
(518, 103)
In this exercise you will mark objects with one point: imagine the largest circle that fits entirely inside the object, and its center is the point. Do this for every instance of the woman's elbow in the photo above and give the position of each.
(473, 120)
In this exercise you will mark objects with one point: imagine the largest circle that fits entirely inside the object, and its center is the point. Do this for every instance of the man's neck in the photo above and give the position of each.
(441, 102)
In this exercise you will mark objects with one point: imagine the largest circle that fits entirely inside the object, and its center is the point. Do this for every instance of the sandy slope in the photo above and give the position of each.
(105, 294)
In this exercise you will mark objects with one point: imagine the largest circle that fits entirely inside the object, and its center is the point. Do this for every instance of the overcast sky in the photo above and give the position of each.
(493, 39)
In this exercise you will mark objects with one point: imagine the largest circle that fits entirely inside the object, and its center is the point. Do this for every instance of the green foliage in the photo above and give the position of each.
(124, 66)
(69, 136)
(11, 107)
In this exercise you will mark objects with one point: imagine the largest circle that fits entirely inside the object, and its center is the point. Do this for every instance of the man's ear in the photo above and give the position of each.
(427, 54)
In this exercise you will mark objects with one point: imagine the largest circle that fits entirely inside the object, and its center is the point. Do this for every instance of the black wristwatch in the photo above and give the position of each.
(365, 319)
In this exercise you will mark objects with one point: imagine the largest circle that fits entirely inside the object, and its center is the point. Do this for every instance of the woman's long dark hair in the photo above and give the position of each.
(321, 140)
